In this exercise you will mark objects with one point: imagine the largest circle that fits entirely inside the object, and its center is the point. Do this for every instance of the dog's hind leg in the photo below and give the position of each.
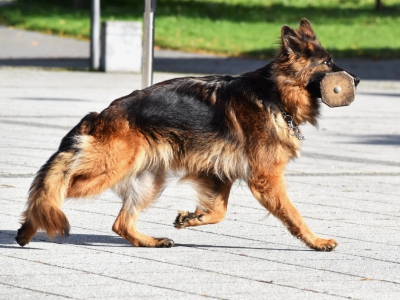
(85, 166)
(137, 192)
(271, 193)
(213, 196)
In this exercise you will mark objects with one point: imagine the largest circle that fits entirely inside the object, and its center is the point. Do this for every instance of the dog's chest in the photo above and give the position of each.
(286, 135)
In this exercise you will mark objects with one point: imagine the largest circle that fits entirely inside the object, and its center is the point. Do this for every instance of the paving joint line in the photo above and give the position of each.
(349, 159)
(352, 209)
(38, 291)
(33, 124)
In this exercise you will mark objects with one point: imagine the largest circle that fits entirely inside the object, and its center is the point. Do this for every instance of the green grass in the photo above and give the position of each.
(231, 27)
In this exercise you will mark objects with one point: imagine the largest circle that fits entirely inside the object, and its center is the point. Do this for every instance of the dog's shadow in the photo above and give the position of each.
(7, 240)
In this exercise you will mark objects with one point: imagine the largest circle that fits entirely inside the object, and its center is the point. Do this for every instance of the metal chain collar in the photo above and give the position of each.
(293, 129)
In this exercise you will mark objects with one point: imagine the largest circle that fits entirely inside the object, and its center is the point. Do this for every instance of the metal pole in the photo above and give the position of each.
(148, 42)
(95, 35)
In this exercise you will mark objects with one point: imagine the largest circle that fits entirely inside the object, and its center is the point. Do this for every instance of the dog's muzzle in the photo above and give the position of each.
(338, 89)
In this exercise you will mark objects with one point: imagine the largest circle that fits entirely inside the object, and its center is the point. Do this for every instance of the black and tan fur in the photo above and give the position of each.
(214, 129)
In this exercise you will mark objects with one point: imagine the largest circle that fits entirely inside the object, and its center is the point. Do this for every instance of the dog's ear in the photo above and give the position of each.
(291, 41)
(306, 29)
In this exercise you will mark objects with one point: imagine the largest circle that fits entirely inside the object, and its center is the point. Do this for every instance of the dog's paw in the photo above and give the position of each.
(164, 243)
(21, 240)
(324, 245)
(185, 218)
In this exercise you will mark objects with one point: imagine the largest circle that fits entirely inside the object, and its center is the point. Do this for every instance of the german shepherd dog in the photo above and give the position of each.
(213, 130)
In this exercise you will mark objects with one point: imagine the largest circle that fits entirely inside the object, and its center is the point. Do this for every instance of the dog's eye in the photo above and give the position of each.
(328, 62)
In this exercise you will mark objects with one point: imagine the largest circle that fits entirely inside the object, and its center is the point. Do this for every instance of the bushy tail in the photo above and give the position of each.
(46, 195)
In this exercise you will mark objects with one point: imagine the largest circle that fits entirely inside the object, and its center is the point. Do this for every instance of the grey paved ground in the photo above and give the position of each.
(347, 186)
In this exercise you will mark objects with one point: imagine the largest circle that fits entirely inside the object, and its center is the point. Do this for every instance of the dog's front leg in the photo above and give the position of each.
(270, 191)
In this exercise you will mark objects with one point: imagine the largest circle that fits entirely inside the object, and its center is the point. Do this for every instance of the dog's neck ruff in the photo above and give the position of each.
(293, 129)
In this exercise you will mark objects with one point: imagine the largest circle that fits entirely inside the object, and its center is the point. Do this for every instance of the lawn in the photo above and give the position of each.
(230, 27)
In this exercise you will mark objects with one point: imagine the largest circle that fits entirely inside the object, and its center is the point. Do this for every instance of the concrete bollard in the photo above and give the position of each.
(121, 46)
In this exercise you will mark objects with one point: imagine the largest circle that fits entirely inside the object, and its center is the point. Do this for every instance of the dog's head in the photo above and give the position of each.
(303, 59)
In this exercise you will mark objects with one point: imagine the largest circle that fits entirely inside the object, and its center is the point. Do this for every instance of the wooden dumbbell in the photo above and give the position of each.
(337, 89)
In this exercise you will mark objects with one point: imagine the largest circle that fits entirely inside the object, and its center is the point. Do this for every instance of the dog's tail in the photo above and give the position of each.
(46, 195)
(50, 187)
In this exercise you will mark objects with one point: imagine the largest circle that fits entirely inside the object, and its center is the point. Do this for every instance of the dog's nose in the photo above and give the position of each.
(356, 80)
